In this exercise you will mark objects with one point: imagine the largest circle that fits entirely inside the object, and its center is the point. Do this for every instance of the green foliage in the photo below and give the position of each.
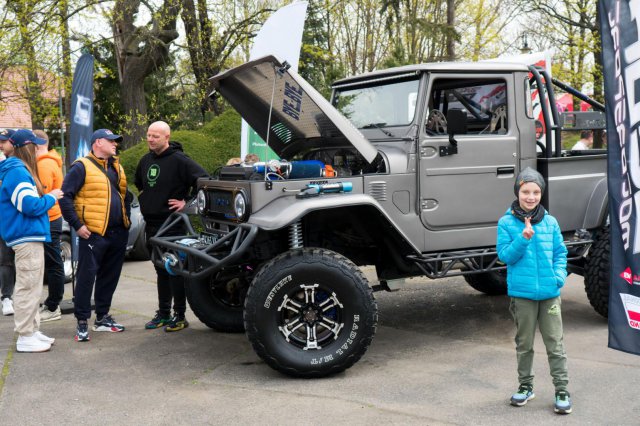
(166, 99)
(210, 146)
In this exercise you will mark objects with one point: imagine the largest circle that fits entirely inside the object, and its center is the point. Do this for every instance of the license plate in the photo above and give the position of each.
(209, 238)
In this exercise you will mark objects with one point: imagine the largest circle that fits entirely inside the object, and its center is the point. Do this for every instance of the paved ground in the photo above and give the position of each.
(443, 354)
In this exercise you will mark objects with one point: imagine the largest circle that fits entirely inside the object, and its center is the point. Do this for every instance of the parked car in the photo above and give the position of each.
(136, 245)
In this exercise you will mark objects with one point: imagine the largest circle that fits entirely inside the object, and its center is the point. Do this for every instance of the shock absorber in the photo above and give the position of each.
(295, 236)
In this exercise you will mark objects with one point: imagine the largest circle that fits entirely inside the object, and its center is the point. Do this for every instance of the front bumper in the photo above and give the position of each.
(190, 256)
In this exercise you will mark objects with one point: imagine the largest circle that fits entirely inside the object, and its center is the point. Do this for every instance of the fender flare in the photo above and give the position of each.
(598, 206)
(287, 210)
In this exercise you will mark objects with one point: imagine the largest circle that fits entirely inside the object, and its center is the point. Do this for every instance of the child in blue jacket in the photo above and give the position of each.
(24, 228)
(530, 244)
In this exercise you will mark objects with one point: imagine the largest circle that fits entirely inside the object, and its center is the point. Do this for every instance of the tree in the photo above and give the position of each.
(38, 82)
(421, 31)
(139, 52)
(318, 65)
(211, 42)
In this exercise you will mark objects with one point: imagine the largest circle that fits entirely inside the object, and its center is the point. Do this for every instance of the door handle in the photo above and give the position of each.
(506, 170)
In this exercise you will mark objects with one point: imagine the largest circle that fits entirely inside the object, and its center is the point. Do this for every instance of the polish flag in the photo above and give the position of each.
(632, 308)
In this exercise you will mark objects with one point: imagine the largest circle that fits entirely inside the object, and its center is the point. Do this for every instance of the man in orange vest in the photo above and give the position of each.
(97, 205)
(50, 175)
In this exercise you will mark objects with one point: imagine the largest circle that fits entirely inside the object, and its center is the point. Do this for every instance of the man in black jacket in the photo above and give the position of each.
(166, 178)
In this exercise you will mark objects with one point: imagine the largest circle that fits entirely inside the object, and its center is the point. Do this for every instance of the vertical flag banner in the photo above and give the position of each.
(81, 108)
(620, 29)
(281, 36)
(81, 119)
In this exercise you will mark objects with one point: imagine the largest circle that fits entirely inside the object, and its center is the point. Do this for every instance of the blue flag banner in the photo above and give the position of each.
(81, 119)
(620, 29)
(81, 108)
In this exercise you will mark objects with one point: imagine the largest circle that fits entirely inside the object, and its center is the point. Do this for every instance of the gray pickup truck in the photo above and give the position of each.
(406, 169)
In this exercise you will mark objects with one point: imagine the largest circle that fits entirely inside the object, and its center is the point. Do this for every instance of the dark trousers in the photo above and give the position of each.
(7, 270)
(169, 286)
(54, 268)
(100, 261)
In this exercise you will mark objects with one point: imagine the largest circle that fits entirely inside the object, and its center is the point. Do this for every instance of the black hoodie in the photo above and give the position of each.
(172, 174)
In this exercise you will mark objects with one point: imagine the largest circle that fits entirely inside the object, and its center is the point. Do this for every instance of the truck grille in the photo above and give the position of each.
(220, 203)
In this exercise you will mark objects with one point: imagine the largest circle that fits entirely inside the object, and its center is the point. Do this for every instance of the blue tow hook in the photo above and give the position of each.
(170, 260)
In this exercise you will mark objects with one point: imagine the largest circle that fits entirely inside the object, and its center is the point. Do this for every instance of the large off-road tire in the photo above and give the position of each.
(218, 301)
(67, 258)
(310, 313)
(596, 272)
(492, 283)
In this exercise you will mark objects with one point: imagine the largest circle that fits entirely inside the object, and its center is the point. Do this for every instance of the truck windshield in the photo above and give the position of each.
(390, 104)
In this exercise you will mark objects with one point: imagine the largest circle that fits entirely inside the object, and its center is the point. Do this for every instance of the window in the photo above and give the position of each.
(388, 103)
(484, 102)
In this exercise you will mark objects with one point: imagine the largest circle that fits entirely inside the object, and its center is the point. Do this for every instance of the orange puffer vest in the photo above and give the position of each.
(93, 200)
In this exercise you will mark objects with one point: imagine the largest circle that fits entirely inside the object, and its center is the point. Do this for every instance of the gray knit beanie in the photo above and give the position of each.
(529, 175)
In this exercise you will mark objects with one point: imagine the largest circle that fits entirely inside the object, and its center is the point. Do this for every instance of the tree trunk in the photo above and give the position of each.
(451, 23)
(139, 52)
(33, 87)
(67, 78)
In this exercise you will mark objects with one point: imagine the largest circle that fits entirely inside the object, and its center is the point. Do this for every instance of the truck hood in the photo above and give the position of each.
(301, 117)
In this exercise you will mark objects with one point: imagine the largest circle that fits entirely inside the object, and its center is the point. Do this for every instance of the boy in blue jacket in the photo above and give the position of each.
(530, 244)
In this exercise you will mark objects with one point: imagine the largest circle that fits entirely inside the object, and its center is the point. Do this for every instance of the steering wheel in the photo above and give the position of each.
(436, 122)
(543, 149)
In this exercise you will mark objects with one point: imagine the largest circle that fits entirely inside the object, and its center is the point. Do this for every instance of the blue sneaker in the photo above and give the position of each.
(563, 402)
(82, 332)
(524, 394)
(107, 323)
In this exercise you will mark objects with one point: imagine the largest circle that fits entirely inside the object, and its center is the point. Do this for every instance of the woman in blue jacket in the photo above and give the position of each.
(24, 228)
(530, 244)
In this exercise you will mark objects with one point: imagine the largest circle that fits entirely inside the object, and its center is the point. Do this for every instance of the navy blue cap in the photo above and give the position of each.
(5, 134)
(22, 137)
(105, 134)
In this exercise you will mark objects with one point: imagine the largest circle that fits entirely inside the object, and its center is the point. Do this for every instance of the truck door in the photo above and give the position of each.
(473, 187)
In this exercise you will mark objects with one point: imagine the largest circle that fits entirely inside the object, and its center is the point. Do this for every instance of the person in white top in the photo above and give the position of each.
(585, 142)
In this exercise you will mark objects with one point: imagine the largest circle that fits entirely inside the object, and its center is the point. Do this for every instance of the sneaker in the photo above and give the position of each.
(7, 306)
(158, 321)
(107, 323)
(82, 332)
(524, 394)
(563, 402)
(43, 338)
(31, 344)
(177, 323)
(46, 315)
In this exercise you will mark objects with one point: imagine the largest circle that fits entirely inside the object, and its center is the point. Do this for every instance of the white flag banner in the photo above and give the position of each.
(281, 36)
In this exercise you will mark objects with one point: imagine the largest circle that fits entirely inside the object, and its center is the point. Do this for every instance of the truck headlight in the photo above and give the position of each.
(202, 201)
(240, 205)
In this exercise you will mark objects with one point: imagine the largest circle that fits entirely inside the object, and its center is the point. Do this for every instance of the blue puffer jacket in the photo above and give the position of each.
(536, 268)
(24, 212)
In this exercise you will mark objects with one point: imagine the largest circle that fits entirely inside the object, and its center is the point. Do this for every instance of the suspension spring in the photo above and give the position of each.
(295, 236)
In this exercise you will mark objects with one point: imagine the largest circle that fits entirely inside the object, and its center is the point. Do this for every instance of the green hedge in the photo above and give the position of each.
(210, 146)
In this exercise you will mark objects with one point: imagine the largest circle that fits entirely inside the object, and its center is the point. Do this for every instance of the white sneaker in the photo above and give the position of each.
(31, 344)
(43, 338)
(7, 306)
(46, 315)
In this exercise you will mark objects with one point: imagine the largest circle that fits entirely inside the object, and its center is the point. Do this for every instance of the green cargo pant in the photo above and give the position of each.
(547, 315)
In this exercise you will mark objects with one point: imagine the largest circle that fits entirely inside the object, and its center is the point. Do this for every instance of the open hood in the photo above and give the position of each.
(301, 118)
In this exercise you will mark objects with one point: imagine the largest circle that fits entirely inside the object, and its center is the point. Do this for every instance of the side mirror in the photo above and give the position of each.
(456, 124)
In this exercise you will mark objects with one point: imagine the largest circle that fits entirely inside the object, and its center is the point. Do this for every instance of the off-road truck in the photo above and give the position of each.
(406, 169)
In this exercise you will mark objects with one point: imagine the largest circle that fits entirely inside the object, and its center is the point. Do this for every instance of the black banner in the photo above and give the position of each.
(81, 120)
(81, 108)
(620, 29)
